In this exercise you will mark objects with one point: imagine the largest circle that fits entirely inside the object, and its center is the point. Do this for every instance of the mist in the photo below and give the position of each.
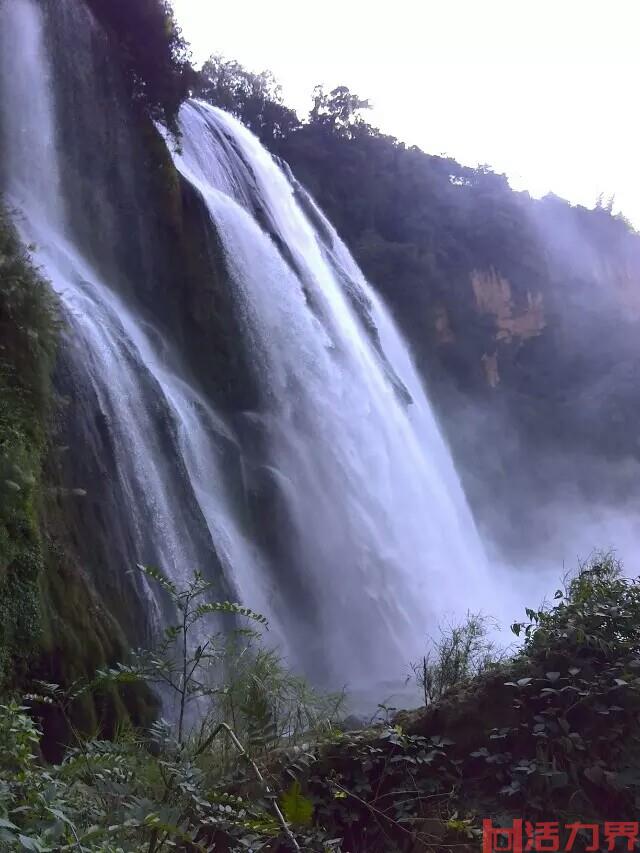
(549, 456)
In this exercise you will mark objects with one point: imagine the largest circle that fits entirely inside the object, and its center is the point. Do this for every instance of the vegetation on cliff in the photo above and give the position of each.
(154, 55)
(28, 330)
(255, 98)
(550, 734)
(51, 624)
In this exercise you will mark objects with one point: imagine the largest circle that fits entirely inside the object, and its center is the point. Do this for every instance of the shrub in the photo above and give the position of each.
(462, 651)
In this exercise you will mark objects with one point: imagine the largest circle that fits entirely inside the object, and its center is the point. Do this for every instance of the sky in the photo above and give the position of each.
(546, 92)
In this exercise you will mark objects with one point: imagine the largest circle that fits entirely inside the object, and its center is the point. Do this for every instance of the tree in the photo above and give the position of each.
(179, 663)
(256, 99)
(338, 111)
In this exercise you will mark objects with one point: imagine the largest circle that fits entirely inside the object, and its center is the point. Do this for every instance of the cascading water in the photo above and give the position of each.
(369, 535)
(379, 525)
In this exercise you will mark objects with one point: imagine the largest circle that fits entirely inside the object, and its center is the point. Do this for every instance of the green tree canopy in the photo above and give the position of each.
(339, 111)
(256, 99)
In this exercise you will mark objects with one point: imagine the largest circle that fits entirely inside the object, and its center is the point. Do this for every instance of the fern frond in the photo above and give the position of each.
(230, 608)
(157, 576)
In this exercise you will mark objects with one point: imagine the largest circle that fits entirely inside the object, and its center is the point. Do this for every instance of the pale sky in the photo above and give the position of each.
(546, 91)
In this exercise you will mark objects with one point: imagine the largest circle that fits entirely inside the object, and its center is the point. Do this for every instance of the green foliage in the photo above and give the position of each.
(191, 786)
(599, 610)
(154, 54)
(34, 803)
(28, 332)
(184, 666)
(462, 651)
(134, 793)
(577, 697)
(254, 98)
(551, 731)
(298, 810)
(338, 112)
(268, 706)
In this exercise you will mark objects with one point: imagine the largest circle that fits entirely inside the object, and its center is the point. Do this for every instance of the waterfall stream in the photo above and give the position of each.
(370, 536)
(378, 518)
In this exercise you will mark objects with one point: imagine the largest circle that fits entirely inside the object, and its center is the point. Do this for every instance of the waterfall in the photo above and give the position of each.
(381, 534)
(355, 533)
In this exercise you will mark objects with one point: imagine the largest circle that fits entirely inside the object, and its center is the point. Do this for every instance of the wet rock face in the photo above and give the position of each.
(494, 297)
